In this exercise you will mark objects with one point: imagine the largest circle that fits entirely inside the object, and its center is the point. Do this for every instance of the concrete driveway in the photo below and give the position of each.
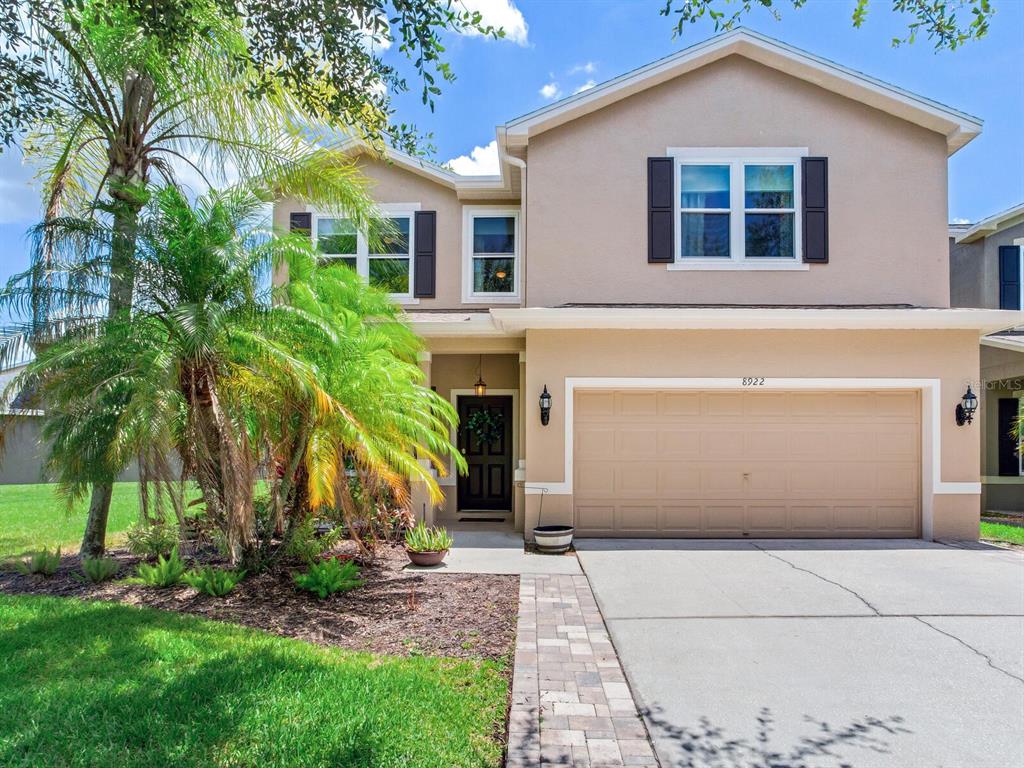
(819, 653)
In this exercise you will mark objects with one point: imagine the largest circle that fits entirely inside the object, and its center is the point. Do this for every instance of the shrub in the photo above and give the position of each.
(423, 538)
(97, 569)
(306, 546)
(45, 563)
(152, 540)
(213, 581)
(329, 576)
(166, 573)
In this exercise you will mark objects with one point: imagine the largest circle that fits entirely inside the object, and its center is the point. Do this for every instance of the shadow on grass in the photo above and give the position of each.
(86, 684)
(706, 745)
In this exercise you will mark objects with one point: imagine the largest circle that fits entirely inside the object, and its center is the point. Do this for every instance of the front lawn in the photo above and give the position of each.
(32, 517)
(87, 684)
(1001, 532)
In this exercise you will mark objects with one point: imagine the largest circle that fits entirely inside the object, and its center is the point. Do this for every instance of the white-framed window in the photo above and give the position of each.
(738, 208)
(490, 255)
(390, 266)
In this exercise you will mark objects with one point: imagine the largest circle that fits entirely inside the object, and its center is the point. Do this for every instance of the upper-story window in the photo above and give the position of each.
(738, 208)
(491, 265)
(390, 264)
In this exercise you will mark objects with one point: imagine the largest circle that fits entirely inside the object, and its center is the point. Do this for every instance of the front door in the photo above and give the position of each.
(487, 485)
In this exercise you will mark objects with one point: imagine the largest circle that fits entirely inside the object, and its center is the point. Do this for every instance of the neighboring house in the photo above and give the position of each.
(679, 257)
(986, 263)
(21, 460)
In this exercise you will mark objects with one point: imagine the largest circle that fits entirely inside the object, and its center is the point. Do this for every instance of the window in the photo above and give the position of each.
(390, 265)
(491, 255)
(738, 208)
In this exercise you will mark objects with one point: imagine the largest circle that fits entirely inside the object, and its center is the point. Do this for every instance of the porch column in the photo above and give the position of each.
(419, 493)
(519, 475)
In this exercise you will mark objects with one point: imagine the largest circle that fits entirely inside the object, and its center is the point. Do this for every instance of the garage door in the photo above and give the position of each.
(724, 464)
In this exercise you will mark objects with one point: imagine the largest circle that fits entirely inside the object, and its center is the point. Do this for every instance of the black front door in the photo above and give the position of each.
(487, 485)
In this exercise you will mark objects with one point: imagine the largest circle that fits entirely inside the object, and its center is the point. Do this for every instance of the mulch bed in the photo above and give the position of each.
(395, 612)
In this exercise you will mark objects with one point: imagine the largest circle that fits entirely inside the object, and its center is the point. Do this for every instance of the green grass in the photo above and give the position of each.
(1000, 532)
(101, 684)
(32, 517)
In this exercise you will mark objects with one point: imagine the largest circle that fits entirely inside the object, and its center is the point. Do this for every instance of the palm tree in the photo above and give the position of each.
(209, 365)
(132, 107)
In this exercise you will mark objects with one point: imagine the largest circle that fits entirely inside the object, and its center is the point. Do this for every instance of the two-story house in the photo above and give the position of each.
(728, 271)
(986, 263)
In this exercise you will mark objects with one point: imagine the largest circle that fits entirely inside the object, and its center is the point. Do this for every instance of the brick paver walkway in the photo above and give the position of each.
(571, 705)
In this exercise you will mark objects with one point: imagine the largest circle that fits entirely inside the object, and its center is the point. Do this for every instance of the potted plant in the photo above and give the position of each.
(426, 545)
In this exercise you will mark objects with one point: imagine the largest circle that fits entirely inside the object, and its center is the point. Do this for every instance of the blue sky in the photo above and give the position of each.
(557, 46)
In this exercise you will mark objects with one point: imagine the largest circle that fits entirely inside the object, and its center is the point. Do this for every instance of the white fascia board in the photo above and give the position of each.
(454, 324)
(1013, 346)
(983, 321)
(958, 127)
(992, 224)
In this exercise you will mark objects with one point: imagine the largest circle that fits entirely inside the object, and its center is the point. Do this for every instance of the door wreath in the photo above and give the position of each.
(485, 425)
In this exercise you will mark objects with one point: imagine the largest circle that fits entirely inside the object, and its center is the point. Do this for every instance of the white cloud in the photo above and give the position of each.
(585, 87)
(550, 91)
(20, 201)
(960, 220)
(482, 161)
(587, 68)
(501, 14)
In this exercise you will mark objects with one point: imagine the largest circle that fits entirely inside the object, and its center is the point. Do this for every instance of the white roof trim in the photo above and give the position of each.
(1013, 343)
(463, 185)
(992, 224)
(958, 127)
(984, 321)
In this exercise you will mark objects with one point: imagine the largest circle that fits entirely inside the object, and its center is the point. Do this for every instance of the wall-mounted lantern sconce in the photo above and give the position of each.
(966, 407)
(545, 406)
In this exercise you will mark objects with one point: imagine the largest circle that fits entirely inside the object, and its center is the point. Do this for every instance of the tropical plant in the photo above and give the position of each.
(305, 545)
(216, 582)
(423, 538)
(43, 562)
(166, 572)
(152, 539)
(122, 95)
(329, 576)
(208, 365)
(97, 569)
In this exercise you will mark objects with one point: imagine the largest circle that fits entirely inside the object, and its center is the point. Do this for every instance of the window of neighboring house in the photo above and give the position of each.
(390, 264)
(490, 255)
(738, 208)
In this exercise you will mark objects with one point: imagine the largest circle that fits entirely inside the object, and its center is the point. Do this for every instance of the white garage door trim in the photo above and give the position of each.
(931, 429)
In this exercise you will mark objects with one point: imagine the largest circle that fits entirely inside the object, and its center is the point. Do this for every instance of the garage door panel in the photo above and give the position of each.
(668, 463)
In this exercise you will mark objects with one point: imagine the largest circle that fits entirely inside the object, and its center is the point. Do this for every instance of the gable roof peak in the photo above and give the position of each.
(958, 127)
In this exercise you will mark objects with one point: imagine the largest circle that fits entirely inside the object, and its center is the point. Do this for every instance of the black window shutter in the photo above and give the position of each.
(425, 252)
(660, 210)
(1009, 464)
(300, 223)
(1009, 277)
(815, 194)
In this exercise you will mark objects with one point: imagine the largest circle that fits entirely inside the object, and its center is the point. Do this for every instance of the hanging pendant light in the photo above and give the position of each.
(481, 386)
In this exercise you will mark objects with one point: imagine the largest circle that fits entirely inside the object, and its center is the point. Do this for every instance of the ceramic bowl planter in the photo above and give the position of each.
(426, 559)
(553, 539)
(427, 546)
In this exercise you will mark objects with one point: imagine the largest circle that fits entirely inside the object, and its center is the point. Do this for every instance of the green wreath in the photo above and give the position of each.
(485, 425)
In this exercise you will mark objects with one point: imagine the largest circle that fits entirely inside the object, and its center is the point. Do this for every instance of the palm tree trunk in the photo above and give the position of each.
(119, 299)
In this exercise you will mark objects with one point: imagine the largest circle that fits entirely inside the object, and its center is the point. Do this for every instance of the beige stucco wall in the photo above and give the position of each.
(587, 238)
(392, 184)
(951, 357)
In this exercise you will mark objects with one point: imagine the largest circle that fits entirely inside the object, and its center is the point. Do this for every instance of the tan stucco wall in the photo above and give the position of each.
(586, 200)
(392, 184)
(951, 357)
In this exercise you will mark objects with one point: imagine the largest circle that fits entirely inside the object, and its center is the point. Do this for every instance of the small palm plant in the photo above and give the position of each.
(167, 571)
(329, 576)
(216, 582)
(97, 569)
(43, 562)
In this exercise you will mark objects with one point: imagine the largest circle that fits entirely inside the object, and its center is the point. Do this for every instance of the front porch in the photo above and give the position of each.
(488, 498)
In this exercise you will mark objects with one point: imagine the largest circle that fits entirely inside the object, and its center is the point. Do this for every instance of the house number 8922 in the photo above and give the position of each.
(753, 381)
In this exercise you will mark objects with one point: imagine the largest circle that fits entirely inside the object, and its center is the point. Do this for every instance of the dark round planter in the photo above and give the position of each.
(426, 558)
(553, 539)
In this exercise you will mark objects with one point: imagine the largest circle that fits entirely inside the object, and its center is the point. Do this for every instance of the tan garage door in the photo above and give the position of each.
(723, 464)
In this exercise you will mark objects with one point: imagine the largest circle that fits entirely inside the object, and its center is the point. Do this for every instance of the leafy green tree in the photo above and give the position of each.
(116, 91)
(938, 20)
(209, 366)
